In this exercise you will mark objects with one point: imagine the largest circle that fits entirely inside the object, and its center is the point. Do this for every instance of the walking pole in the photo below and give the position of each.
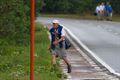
(32, 41)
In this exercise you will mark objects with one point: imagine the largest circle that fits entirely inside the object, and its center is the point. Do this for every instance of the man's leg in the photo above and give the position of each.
(102, 15)
(98, 15)
(110, 16)
(106, 15)
(54, 65)
(53, 59)
(63, 55)
(68, 64)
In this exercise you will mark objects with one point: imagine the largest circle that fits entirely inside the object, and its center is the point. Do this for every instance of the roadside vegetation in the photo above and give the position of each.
(15, 61)
(14, 39)
(73, 6)
(15, 44)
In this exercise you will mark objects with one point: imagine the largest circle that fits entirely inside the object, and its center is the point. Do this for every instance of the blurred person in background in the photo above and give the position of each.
(108, 11)
(102, 10)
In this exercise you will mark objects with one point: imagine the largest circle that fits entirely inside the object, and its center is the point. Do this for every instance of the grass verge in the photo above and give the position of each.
(77, 16)
(15, 62)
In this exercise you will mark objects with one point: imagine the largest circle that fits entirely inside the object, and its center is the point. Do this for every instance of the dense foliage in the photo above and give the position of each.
(73, 6)
(14, 21)
(14, 37)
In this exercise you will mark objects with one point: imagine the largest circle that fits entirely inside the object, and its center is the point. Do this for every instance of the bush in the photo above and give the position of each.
(14, 21)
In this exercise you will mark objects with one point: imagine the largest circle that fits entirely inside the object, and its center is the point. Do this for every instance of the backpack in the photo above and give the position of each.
(67, 43)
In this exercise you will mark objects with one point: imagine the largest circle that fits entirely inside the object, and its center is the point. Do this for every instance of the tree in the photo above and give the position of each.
(39, 4)
(56, 6)
(14, 21)
(73, 6)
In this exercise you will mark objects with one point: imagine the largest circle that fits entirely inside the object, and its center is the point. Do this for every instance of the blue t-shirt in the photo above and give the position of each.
(108, 8)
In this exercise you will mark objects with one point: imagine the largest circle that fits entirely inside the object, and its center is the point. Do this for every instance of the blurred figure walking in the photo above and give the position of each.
(97, 11)
(102, 11)
(109, 11)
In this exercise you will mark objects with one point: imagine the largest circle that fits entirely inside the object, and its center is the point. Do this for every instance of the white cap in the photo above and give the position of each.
(55, 21)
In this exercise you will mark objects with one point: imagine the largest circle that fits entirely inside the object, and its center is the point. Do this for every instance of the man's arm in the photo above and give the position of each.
(62, 35)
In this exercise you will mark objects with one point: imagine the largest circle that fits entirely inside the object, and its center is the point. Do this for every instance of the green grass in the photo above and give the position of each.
(77, 16)
(71, 16)
(15, 63)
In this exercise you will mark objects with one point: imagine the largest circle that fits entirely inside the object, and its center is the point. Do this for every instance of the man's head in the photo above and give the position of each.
(108, 3)
(102, 3)
(55, 23)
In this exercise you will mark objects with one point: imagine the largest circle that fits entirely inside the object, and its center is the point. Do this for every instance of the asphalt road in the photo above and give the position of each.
(101, 37)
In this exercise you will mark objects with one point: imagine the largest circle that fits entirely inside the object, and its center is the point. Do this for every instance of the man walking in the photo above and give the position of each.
(102, 10)
(109, 11)
(57, 44)
(98, 11)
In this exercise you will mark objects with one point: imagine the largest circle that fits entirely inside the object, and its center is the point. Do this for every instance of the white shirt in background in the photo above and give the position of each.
(97, 9)
(102, 7)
